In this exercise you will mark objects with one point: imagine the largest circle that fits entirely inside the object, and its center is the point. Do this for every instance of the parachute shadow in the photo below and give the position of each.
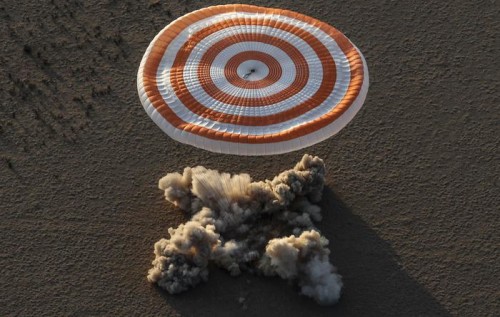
(375, 284)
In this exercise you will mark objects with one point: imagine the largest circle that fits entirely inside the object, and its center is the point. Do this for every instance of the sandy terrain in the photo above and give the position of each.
(411, 208)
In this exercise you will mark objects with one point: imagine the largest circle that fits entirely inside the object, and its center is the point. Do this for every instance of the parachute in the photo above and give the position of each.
(248, 80)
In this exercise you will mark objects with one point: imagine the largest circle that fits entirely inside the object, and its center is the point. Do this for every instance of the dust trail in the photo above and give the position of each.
(262, 227)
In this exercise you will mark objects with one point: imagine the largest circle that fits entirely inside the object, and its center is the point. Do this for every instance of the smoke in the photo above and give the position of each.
(262, 227)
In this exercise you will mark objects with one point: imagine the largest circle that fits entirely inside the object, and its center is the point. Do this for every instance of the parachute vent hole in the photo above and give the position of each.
(253, 70)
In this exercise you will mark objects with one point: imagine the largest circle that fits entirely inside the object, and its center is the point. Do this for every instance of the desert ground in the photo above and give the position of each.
(411, 207)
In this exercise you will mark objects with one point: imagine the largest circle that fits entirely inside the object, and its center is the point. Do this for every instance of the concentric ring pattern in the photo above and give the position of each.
(249, 80)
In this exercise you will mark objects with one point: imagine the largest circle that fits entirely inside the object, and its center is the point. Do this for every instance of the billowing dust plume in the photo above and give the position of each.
(259, 227)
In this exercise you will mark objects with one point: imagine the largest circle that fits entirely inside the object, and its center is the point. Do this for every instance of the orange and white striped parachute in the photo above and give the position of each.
(248, 80)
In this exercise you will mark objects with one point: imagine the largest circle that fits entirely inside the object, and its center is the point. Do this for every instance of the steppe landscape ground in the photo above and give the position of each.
(412, 203)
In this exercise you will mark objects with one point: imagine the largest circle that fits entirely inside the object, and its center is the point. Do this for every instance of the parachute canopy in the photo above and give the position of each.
(248, 80)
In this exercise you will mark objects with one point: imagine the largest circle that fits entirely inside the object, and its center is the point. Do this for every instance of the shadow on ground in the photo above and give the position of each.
(374, 282)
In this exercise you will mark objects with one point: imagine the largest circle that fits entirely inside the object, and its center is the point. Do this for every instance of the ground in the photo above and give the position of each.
(411, 207)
